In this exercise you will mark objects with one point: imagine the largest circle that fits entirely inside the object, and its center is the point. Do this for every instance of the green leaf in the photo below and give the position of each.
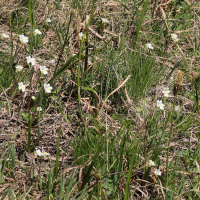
(26, 116)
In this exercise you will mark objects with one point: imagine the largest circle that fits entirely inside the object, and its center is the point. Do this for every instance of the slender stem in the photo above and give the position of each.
(29, 133)
(79, 71)
(169, 141)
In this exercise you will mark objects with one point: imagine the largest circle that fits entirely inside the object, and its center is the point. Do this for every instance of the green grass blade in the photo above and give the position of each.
(130, 173)
(140, 21)
(87, 176)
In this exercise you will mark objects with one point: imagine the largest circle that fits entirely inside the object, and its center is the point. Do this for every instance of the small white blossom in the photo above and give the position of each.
(39, 109)
(36, 32)
(23, 39)
(47, 88)
(3, 35)
(37, 153)
(48, 20)
(30, 60)
(157, 172)
(21, 86)
(149, 46)
(160, 104)
(104, 20)
(175, 37)
(166, 91)
(43, 69)
(34, 98)
(73, 54)
(151, 163)
(18, 68)
(81, 36)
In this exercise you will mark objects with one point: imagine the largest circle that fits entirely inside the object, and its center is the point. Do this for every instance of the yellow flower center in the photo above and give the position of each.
(166, 92)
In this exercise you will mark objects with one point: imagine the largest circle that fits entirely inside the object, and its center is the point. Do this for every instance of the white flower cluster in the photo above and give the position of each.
(165, 92)
(41, 154)
(22, 86)
(175, 37)
(104, 21)
(23, 39)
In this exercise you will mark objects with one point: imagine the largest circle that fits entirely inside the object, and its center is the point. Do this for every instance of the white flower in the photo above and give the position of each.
(175, 37)
(18, 68)
(30, 60)
(48, 20)
(39, 109)
(21, 86)
(47, 88)
(149, 46)
(23, 39)
(81, 36)
(34, 98)
(160, 104)
(36, 32)
(104, 20)
(151, 163)
(157, 172)
(43, 69)
(3, 35)
(37, 153)
(73, 54)
(166, 91)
